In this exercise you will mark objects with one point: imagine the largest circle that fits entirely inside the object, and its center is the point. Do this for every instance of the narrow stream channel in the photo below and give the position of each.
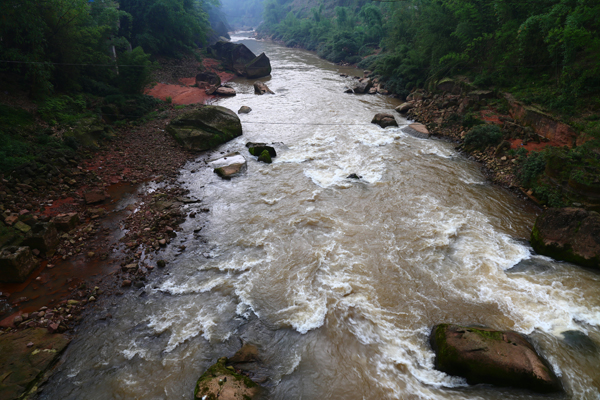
(337, 281)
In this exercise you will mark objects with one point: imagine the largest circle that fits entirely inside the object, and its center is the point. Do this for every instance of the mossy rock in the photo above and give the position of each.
(89, 132)
(483, 355)
(265, 157)
(222, 382)
(256, 149)
(205, 128)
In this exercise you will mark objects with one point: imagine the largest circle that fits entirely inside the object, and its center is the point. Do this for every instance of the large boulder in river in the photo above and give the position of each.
(363, 86)
(568, 234)
(235, 56)
(259, 67)
(384, 120)
(242, 60)
(483, 355)
(222, 382)
(205, 128)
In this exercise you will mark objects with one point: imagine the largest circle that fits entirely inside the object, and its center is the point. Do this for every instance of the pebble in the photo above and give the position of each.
(161, 264)
(126, 283)
(30, 344)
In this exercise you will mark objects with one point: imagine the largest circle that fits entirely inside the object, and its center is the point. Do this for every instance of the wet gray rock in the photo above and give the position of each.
(363, 86)
(244, 110)
(384, 120)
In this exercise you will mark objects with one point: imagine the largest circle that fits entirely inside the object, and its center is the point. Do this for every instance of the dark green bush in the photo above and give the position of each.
(483, 136)
(470, 120)
(533, 165)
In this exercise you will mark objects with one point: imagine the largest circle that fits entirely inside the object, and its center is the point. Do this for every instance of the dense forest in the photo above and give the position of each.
(75, 58)
(545, 53)
(59, 45)
(549, 49)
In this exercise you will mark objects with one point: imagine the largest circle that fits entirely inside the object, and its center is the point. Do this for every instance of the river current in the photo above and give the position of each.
(337, 281)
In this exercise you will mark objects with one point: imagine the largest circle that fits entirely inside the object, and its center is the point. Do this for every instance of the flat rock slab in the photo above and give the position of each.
(419, 128)
(22, 367)
(230, 165)
(225, 91)
(483, 355)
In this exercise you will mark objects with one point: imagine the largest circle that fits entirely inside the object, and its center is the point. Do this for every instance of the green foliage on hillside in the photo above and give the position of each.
(75, 45)
(545, 51)
(354, 30)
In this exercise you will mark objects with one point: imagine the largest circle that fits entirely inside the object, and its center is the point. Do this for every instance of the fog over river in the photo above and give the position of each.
(337, 281)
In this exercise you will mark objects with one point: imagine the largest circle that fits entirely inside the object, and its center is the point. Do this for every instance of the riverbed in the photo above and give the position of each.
(337, 281)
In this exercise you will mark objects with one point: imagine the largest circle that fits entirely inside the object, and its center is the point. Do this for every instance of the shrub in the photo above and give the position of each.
(533, 165)
(483, 136)
(470, 120)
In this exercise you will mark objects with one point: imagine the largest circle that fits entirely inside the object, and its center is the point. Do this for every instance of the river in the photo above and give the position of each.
(337, 281)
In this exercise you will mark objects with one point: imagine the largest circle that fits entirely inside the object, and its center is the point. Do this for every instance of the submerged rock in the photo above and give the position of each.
(222, 382)
(261, 88)
(205, 128)
(384, 120)
(256, 149)
(225, 91)
(568, 234)
(230, 165)
(265, 157)
(483, 355)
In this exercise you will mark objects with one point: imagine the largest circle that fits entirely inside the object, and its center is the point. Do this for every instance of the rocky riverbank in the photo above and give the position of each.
(95, 226)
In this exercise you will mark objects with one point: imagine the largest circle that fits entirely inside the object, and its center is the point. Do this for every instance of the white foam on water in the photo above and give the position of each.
(192, 318)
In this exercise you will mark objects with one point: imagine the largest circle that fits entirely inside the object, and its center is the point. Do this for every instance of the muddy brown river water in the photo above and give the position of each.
(337, 281)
